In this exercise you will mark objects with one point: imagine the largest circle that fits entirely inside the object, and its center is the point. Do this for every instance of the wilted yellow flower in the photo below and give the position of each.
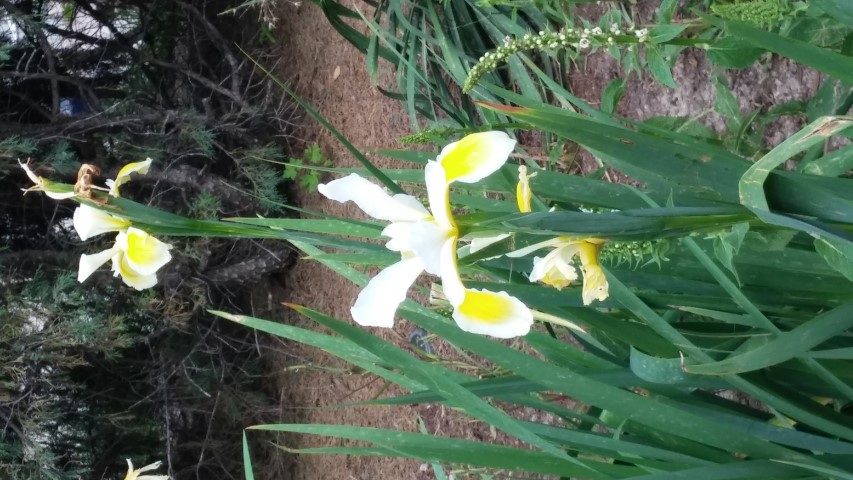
(133, 474)
(557, 268)
(124, 174)
(41, 184)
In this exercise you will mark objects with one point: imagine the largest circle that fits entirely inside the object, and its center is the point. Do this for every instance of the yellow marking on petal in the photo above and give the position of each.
(141, 247)
(486, 307)
(124, 174)
(468, 155)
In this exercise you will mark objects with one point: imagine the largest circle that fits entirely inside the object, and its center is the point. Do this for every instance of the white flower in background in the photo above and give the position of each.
(43, 185)
(136, 257)
(124, 175)
(427, 240)
(557, 268)
(135, 474)
(523, 192)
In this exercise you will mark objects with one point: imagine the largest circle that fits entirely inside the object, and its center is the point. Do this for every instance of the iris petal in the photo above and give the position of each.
(427, 241)
(378, 301)
(90, 263)
(145, 254)
(374, 200)
(124, 174)
(89, 222)
(438, 193)
(130, 276)
(476, 156)
(497, 314)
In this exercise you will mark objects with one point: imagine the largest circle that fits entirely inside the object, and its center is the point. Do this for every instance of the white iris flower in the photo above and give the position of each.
(427, 240)
(136, 256)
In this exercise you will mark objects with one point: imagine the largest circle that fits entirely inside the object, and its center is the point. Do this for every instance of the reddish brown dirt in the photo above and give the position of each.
(330, 74)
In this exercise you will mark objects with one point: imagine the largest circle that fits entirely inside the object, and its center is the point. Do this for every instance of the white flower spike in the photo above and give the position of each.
(133, 474)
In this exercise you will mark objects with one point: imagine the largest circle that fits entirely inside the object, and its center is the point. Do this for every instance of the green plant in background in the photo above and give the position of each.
(762, 13)
(301, 170)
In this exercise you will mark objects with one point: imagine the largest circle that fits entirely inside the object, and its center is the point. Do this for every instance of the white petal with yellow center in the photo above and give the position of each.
(131, 277)
(475, 156)
(377, 303)
(144, 253)
(125, 172)
(89, 222)
(496, 314)
(374, 200)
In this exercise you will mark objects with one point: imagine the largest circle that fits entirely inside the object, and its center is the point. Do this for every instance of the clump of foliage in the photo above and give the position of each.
(300, 169)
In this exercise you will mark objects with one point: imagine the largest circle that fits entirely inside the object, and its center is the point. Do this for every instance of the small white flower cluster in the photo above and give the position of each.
(576, 39)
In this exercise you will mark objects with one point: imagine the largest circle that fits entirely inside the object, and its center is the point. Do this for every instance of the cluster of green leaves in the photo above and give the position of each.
(301, 170)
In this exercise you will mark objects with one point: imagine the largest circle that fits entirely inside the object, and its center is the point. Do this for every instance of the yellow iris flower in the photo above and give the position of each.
(427, 240)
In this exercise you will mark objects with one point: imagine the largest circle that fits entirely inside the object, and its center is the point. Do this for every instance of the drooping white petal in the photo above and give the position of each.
(451, 282)
(377, 303)
(131, 277)
(373, 199)
(30, 174)
(59, 195)
(476, 156)
(497, 314)
(480, 243)
(521, 252)
(124, 174)
(553, 270)
(90, 263)
(89, 222)
(426, 242)
(438, 193)
(144, 253)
